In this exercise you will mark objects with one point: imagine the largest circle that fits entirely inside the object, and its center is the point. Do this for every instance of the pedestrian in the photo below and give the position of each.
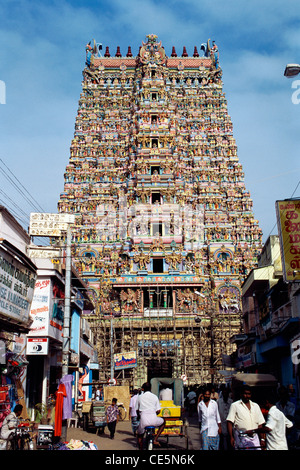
(99, 394)
(275, 427)
(209, 422)
(132, 411)
(10, 424)
(244, 414)
(112, 417)
(288, 408)
(214, 394)
(224, 403)
(191, 401)
(148, 408)
(284, 404)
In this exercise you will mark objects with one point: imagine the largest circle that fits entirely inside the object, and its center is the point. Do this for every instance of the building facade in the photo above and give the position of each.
(45, 338)
(271, 309)
(164, 230)
(17, 279)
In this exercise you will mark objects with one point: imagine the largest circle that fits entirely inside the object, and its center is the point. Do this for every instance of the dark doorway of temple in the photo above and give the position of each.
(159, 368)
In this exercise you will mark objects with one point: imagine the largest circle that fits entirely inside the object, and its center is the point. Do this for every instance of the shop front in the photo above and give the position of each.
(17, 279)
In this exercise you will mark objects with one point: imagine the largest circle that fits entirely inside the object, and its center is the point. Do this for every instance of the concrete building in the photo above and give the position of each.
(271, 321)
(17, 280)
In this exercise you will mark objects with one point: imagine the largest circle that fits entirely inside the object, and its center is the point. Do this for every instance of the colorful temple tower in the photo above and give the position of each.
(164, 233)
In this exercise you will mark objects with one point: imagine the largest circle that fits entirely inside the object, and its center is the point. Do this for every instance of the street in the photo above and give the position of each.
(124, 439)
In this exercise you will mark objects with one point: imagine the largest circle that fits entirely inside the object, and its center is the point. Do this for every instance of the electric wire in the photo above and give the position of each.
(18, 212)
(32, 202)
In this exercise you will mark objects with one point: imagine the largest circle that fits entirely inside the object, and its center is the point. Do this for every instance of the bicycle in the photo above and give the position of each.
(122, 411)
(20, 438)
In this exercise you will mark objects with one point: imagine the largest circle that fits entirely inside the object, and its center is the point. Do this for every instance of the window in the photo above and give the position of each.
(155, 170)
(157, 229)
(155, 198)
(158, 265)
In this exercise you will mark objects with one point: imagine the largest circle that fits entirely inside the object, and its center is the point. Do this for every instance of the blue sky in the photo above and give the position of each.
(42, 55)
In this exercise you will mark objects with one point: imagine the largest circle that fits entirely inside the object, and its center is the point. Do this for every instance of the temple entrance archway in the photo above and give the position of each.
(159, 368)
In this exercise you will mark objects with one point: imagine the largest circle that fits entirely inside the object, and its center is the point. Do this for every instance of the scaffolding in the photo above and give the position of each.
(167, 346)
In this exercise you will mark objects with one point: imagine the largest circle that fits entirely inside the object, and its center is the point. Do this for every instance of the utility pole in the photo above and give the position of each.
(111, 349)
(66, 326)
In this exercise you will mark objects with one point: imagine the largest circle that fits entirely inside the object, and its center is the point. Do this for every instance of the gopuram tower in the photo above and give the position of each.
(164, 233)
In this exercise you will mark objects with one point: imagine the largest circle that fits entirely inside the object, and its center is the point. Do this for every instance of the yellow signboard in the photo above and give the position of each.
(288, 221)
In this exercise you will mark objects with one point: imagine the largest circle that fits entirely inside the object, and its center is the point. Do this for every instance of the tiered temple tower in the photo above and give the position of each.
(164, 233)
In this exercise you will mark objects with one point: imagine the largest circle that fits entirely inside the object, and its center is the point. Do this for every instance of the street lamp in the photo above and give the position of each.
(291, 70)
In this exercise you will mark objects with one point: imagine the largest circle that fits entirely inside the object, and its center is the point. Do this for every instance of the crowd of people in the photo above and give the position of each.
(226, 423)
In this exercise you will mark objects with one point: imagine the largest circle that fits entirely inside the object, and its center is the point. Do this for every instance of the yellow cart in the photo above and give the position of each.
(172, 410)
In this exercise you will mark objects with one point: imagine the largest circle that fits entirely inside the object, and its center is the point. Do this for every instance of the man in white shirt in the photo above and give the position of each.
(166, 394)
(148, 408)
(244, 414)
(132, 411)
(209, 422)
(275, 427)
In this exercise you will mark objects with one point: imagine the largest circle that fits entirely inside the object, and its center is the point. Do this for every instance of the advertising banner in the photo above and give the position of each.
(288, 221)
(125, 360)
(40, 308)
(37, 346)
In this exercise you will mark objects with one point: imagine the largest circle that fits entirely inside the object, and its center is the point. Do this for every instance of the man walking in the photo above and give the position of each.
(244, 414)
(112, 417)
(148, 408)
(275, 427)
(132, 411)
(209, 422)
(224, 403)
(191, 401)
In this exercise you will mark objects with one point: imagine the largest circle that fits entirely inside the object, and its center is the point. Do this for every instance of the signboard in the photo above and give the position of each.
(16, 288)
(37, 346)
(40, 307)
(125, 360)
(43, 252)
(288, 221)
(46, 310)
(49, 225)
